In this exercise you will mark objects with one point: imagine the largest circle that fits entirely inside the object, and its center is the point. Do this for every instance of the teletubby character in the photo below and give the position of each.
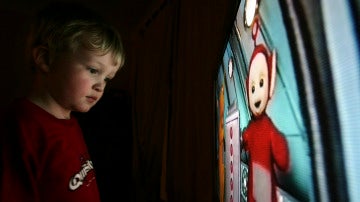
(264, 143)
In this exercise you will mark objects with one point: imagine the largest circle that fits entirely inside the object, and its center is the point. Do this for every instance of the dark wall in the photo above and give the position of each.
(176, 58)
(15, 80)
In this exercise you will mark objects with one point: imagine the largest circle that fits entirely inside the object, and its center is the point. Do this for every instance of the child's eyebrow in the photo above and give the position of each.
(96, 64)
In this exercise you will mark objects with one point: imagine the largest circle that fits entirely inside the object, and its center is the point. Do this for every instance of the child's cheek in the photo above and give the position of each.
(82, 85)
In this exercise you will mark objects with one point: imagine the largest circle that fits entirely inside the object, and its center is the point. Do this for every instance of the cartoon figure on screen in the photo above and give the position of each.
(221, 144)
(265, 144)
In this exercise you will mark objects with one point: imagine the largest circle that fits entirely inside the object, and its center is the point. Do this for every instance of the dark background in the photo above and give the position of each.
(152, 134)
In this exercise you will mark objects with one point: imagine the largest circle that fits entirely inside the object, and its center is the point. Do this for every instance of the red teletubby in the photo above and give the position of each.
(265, 144)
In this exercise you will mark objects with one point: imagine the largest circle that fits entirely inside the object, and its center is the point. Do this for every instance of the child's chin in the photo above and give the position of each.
(83, 109)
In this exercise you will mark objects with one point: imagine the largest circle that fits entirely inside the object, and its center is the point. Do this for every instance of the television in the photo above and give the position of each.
(287, 103)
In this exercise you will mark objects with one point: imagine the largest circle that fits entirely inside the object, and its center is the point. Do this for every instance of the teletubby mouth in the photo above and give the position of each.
(257, 104)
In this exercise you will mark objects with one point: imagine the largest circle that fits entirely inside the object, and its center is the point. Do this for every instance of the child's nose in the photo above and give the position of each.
(99, 86)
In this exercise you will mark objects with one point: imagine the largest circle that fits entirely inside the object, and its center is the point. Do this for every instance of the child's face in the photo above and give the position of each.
(77, 80)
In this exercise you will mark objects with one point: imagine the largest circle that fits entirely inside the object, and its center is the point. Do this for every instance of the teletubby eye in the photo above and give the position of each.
(253, 89)
(261, 82)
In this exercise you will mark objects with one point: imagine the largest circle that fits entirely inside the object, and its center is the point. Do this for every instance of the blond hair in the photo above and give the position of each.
(64, 27)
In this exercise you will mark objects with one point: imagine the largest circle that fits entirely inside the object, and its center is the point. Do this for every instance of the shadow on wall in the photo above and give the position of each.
(14, 71)
(107, 130)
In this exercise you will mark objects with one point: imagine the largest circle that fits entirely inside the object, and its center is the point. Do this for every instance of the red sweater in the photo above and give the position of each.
(44, 158)
(267, 147)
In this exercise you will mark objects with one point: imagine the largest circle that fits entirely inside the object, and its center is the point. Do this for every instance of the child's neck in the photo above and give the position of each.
(47, 103)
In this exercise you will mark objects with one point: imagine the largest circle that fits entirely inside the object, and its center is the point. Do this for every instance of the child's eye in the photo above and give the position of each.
(92, 70)
(107, 80)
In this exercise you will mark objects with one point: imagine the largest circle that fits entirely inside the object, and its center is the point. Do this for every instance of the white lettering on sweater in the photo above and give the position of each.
(77, 180)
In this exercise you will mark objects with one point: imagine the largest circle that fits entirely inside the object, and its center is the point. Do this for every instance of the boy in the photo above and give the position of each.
(43, 156)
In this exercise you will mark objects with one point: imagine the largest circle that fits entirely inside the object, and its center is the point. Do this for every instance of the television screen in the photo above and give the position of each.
(283, 131)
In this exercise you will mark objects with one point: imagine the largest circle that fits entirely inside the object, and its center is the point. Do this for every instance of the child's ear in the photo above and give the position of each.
(40, 55)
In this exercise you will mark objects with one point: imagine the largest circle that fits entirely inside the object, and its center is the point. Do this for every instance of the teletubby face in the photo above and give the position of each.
(258, 86)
